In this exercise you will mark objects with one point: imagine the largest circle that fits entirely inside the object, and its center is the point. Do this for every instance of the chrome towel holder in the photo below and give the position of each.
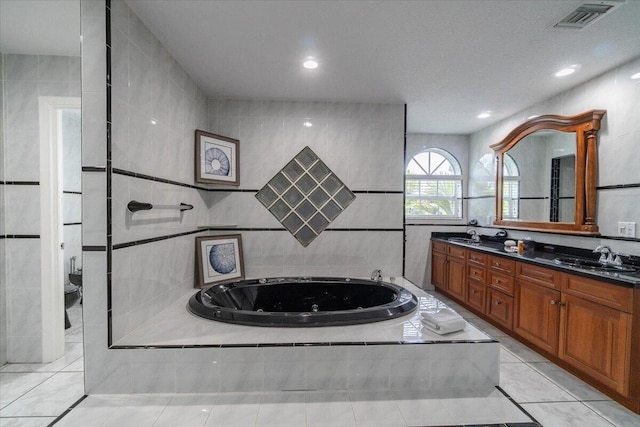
(135, 206)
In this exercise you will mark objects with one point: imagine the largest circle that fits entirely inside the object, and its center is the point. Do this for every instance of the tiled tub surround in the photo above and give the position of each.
(149, 125)
(393, 354)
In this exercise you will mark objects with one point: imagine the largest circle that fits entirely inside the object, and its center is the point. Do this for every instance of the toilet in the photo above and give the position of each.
(71, 296)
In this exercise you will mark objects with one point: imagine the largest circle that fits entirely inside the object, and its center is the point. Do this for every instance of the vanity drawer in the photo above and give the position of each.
(618, 297)
(439, 247)
(500, 308)
(502, 282)
(539, 275)
(476, 295)
(457, 252)
(476, 273)
(477, 257)
(503, 265)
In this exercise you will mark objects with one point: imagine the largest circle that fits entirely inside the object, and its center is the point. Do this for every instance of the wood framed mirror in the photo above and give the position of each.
(546, 175)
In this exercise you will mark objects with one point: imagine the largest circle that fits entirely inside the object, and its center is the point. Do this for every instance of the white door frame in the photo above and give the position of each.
(51, 230)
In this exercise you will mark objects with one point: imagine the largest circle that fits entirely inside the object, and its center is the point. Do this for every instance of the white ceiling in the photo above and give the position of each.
(447, 59)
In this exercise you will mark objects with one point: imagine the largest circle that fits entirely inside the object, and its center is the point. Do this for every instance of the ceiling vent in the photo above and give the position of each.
(587, 13)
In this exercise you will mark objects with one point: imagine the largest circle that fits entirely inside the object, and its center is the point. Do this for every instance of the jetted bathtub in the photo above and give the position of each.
(303, 302)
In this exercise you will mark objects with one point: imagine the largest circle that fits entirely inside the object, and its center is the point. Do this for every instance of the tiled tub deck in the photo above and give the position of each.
(390, 355)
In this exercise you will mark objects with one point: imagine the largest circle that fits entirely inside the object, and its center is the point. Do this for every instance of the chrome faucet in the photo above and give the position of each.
(474, 235)
(376, 275)
(607, 256)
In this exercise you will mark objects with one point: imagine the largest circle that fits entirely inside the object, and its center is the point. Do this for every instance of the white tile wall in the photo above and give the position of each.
(25, 78)
(155, 111)
(361, 143)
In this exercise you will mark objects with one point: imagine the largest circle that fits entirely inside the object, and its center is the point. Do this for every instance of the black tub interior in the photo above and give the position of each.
(303, 302)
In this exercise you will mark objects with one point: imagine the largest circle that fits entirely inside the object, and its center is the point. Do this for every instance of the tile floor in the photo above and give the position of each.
(34, 394)
(550, 395)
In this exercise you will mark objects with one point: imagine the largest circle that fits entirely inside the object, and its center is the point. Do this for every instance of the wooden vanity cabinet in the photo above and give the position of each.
(457, 271)
(596, 330)
(501, 286)
(589, 327)
(439, 266)
(448, 269)
(476, 280)
(537, 301)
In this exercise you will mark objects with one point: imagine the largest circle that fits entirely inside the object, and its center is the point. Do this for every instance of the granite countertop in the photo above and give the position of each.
(545, 255)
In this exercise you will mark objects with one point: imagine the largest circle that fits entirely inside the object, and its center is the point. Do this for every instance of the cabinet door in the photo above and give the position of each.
(439, 270)
(457, 278)
(500, 308)
(597, 340)
(537, 315)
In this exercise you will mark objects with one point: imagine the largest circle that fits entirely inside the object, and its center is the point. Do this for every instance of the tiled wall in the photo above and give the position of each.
(618, 156)
(361, 143)
(25, 78)
(418, 231)
(155, 109)
(3, 263)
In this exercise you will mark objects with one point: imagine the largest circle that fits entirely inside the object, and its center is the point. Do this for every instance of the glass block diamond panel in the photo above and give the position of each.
(280, 183)
(267, 197)
(306, 183)
(332, 184)
(318, 197)
(293, 170)
(305, 196)
(292, 223)
(344, 197)
(293, 197)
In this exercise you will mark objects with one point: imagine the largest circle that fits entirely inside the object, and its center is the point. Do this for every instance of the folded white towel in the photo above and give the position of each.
(443, 320)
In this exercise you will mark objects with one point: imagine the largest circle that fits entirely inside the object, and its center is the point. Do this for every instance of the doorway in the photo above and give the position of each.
(60, 213)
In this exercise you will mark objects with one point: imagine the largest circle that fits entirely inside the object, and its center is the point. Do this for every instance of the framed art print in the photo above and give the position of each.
(219, 259)
(216, 159)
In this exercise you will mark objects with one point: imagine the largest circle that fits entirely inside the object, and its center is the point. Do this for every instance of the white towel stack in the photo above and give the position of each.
(442, 320)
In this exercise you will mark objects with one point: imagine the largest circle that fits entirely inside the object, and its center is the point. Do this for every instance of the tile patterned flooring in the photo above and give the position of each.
(35, 395)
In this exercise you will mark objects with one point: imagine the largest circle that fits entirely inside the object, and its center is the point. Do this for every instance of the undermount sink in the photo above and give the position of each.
(462, 240)
(593, 265)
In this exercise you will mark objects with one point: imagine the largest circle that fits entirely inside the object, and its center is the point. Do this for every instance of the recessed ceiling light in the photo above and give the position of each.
(310, 63)
(484, 115)
(567, 71)
(636, 76)
(307, 124)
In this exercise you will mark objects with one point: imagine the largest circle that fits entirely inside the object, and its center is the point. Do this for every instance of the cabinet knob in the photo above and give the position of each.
(562, 304)
(553, 302)
(498, 303)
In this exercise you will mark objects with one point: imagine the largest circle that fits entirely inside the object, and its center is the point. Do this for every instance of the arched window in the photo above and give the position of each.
(510, 189)
(433, 185)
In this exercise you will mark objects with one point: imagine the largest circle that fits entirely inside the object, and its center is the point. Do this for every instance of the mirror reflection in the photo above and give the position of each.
(539, 178)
